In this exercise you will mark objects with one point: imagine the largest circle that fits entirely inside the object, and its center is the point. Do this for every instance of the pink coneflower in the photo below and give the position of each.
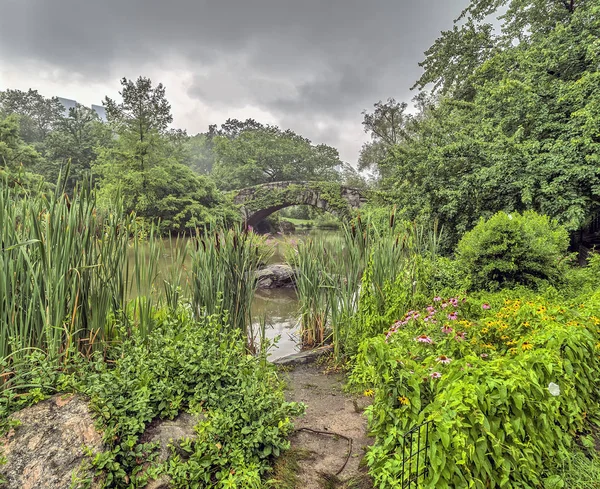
(444, 305)
(485, 305)
(423, 339)
(444, 359)
(430, 309)
(484, 355)
(454, 302)
(460, 336)
(435, 375)
(452, 316)
(398, 324)
(437, 298)
(446, 329)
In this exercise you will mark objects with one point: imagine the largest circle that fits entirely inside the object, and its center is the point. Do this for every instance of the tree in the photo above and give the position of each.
(387, 126)
(75, 142)
(144, 164)
(262, 154)
(526, 137)
(141, 119)
(18, 158)
(37, 115)
(454, 56)
(14, 152)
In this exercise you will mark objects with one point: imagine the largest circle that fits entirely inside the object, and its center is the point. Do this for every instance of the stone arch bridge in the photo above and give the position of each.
(258, 202)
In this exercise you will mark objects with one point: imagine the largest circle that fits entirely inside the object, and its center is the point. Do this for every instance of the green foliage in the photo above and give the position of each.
(222, 276)
(483, 372)
(14, 153)
(580, 471)
(243, 420)
(350, 286)
(183, 365)
(72, 147)
(141, 165)
(513, 249)
(514, 130)
(63, 272)
(262, 154)
(36, 114)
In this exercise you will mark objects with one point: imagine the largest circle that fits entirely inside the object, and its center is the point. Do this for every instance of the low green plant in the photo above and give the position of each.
(513, 249)
(183, 364)
(506, 380)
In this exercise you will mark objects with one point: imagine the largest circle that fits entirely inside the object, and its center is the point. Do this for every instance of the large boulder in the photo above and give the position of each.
(46, 450)
(275, 276)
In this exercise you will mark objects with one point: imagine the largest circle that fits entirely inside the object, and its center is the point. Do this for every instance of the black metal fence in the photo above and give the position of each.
(415, 456)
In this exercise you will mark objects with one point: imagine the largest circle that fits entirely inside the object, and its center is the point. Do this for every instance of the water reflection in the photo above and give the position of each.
(279, 309)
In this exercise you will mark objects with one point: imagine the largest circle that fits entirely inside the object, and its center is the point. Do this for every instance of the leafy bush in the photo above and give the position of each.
(483, 372)
(513, 249)
(182, 365)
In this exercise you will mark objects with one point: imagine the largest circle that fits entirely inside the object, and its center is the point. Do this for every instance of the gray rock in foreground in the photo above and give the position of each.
(46, 451)
(275, 276)
(47, 448)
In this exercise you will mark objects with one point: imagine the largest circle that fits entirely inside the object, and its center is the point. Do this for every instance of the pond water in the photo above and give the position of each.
(280, 306)
(277, 308)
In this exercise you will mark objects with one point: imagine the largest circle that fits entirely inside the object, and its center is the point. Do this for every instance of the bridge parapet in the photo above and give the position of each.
(260, 201)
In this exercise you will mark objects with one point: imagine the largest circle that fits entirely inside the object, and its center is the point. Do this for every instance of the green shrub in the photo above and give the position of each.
(482, 372)
(182, 365)
(513, 249)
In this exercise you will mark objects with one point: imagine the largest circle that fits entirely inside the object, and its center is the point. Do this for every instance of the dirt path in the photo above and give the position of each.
(320, 460)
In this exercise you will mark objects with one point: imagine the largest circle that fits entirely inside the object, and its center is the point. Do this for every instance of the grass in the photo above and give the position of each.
(581, 472)
(75, 278)
(287, 468)
(335, 276)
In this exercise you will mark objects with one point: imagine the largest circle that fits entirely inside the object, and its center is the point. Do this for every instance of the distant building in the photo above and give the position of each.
(67, 104)
(101, 111)
(71, 104)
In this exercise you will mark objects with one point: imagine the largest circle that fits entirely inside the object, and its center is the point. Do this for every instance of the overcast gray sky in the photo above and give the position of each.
(309, 65)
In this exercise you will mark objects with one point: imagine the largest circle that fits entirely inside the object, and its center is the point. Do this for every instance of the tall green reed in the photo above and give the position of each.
(345, 286)
(66, 274)
(223, 281)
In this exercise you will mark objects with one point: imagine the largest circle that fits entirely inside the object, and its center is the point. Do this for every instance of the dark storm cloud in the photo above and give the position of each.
(301, 60)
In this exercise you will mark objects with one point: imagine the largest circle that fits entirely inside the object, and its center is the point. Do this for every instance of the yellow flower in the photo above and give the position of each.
(513, 351)
(484, 330)
(527, 346)
(369, 393)
(526, 324)
(504, 337)
(404, 400)
(510, 343)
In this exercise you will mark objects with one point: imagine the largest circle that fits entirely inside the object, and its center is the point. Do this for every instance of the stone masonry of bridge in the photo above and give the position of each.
(258, 202)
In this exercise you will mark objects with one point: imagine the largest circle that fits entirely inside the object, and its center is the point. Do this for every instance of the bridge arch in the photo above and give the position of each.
(258, 202)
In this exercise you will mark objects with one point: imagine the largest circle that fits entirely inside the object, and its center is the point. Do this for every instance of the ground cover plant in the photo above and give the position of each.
(508, 379)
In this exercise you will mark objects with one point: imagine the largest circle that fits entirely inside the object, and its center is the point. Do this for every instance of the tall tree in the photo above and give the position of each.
(37, 115)
(268, 154)
(17, 158)
(387, 125)
(473, 40)
(526, 137)
(75, 142)
(141, 118)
